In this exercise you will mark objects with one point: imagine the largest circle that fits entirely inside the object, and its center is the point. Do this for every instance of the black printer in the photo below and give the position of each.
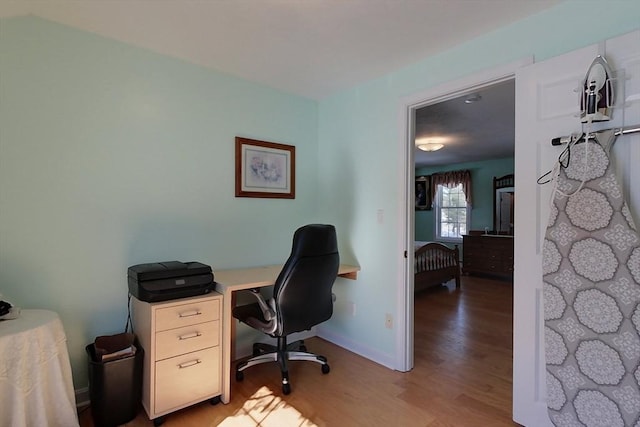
(161, 281)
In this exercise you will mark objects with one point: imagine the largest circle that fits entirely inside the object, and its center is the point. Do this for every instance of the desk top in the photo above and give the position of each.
(256, 277)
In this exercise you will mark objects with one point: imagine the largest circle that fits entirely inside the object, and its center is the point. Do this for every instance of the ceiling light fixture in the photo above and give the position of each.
(430, 146)
(431, 143)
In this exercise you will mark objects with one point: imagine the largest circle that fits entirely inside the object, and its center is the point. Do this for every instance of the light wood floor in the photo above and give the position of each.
(462, 375)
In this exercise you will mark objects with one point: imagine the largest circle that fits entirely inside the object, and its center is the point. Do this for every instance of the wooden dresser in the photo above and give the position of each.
(182, 353)
(487, 254)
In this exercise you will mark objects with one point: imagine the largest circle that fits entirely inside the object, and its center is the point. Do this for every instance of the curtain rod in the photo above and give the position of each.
(621, 131)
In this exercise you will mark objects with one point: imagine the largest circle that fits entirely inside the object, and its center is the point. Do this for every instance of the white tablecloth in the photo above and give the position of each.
(36, 387)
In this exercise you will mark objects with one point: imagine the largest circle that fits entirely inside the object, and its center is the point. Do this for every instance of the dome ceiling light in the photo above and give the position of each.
(430, 144)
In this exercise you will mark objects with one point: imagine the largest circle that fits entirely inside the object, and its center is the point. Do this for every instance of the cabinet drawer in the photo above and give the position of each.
(187, 339)
(188, 378)
(191, 313)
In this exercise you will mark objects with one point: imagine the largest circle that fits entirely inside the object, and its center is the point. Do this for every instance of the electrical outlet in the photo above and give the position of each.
(388, 321)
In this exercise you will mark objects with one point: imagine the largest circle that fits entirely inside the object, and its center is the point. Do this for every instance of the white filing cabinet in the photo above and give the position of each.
(182, 352)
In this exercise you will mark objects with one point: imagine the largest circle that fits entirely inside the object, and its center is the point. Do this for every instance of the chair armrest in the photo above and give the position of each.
(267, 312)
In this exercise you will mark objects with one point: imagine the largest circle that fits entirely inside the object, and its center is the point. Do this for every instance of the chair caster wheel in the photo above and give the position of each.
(325, 369)
(215, 400)
(286, 388)
(158, 421)
(239, 375)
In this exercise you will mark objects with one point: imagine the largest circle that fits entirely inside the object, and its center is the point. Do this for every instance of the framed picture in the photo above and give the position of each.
(423, 193)
(265, 169)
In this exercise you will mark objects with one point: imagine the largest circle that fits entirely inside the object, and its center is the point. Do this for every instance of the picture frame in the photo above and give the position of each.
(265, 169)
(423, 193)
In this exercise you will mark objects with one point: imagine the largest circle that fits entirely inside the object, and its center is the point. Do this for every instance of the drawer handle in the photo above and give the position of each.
(188, 336)
(190, 313)
(191, 363)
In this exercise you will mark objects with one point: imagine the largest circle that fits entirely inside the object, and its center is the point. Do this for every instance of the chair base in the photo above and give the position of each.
(282, 353)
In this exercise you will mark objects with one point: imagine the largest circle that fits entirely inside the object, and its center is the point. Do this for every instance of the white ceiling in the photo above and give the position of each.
(307, 47)
(312, 48)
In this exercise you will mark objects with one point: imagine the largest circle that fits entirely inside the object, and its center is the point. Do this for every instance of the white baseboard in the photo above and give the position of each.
(244, 347)
(366, 352)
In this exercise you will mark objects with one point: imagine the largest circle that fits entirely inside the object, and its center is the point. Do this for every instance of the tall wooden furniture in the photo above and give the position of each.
(487, 254)
(182, 353)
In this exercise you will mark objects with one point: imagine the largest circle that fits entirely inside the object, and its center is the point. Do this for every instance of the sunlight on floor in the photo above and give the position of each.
(264, 409)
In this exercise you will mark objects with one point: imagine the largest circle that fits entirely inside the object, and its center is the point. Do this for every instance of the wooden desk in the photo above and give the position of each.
(230, 281)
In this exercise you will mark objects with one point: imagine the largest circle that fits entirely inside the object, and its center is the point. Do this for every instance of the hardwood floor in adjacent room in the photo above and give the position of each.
(462, 375)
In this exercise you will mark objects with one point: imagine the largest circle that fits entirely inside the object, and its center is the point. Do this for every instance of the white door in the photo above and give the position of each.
(547, 106)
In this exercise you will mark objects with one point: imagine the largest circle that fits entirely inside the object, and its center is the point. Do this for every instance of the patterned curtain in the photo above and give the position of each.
(450, 180)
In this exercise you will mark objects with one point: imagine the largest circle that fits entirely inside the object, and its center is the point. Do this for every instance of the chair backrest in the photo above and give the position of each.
(302, 292)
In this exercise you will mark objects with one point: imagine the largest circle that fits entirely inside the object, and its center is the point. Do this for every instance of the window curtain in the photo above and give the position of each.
(451, 180)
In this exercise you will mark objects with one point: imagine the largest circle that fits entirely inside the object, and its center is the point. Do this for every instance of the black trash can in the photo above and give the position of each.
(114, 387)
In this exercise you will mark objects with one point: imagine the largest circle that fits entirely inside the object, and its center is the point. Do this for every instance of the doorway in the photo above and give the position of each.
(445, 92)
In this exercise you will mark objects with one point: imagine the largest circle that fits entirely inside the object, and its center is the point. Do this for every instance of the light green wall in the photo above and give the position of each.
(482, 174)
(361, 152)
(112, 156)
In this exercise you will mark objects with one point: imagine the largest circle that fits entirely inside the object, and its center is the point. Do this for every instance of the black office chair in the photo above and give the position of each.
(302, 298)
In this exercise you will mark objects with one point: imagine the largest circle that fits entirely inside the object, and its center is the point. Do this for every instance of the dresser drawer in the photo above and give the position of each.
(187, 339)
(487, 254)
(190, 313)
(187, 378)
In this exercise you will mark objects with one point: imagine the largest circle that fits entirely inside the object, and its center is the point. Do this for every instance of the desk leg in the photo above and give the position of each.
(227, 345)
(232, 338)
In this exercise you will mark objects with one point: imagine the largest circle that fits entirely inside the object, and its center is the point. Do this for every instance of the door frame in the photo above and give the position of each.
(406, 125)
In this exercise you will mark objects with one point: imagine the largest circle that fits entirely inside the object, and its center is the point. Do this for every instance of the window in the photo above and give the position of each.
(452, 213)
(451, 193)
